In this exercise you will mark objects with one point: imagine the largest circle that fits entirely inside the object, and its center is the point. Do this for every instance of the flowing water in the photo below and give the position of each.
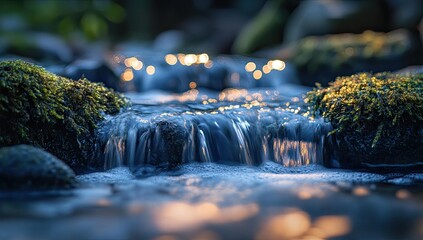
(232, 114)
(266, 127)
(213, 149)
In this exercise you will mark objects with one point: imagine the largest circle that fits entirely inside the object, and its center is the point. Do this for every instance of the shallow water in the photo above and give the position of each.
(209, 163)
(214, 201)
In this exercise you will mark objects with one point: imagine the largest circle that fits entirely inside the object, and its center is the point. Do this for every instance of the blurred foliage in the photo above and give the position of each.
(91, 17)
(343, 50)
(364, 101)
(265, 29)
(52, 112)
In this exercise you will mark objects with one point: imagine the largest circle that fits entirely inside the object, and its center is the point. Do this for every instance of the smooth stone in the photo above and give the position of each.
(96, 70)
(24, 167)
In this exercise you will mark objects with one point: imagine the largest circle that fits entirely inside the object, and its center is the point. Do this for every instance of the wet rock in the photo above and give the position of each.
(172, 79)
(170, 140)
(403, 148)
(24, 167)
(96, 70)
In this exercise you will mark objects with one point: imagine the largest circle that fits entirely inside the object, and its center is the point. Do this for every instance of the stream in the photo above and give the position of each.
(213, 149)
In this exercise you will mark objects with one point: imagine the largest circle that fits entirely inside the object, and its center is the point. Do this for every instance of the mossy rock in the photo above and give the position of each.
(377, 119)
(24, 167)
(52, 112)
(320, 59)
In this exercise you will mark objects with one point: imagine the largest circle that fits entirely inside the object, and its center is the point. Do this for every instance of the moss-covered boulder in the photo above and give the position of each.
(24, 167)
(52, 112)
(322, 58)
(377, 119)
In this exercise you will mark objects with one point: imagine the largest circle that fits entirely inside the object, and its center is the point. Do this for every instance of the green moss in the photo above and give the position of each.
(52, 112)
(365, 102)
(333, 52)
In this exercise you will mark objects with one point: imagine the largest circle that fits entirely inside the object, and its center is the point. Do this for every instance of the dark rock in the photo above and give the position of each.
(404, 149)
(316, 18)
(405, 14)
(169, 142)
(24, 167)
(96, 70)
(322, 59)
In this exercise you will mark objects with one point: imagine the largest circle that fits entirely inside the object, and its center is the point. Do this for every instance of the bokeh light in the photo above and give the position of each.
(150, 70)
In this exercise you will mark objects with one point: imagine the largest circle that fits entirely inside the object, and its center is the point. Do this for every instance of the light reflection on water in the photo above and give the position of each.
(215, 201)
(180, 216)
(235, 125)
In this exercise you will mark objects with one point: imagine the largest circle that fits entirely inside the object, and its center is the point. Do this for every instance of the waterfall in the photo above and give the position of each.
(170, 136)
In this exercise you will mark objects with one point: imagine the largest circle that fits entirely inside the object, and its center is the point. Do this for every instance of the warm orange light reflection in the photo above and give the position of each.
(190, 59)
(209, 64)
(137, 65)
(128, 62)
(266, 69)
(179, 216)
(192, 85)
(360, 191)
(293, 223)
(304, 194)
(206, 235)
(295, 99)
(134, 63)
(166, 237)
(150, 70)
(402, 194)
(257, 74)
(181, 58)
(203, 58)
(278, 65)
(190, 95)
(250, 66)
(103, 203)
(333, 226)
(127, 75)
(171, 59)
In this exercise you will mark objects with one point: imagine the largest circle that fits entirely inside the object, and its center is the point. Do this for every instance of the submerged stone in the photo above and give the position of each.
(52, 112)
(24, 167)
(377, 120)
